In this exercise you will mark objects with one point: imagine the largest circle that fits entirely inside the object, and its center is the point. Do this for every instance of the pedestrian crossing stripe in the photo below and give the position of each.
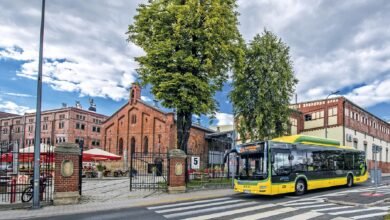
(232, 212)
(267, 214)
(305, 216)
(198, 206)
(353, 211)
(314, 206)
(332, 208)
(209, 210)
(370, 215)
(187, 203)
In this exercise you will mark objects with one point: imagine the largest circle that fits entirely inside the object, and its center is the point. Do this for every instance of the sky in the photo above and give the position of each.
(334, 45)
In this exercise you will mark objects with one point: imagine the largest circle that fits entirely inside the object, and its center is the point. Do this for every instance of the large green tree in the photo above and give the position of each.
(262, 90)
(190, 47)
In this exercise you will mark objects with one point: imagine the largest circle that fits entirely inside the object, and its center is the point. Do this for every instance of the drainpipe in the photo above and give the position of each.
(344, 122)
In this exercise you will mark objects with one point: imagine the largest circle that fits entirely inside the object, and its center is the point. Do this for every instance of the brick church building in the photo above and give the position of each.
(140, 127)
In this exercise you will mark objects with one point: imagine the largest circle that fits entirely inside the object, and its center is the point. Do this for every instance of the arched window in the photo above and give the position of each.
(120, 148)
(146, 148)
(132, 145)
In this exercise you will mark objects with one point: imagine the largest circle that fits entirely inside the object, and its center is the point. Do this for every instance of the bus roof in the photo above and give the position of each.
(305, 139)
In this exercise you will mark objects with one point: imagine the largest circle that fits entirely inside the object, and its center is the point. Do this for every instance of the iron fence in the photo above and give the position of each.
(17, 169)
(149, 171)
(209, 170)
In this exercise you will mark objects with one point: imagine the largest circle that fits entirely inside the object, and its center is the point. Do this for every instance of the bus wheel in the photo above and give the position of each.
(300, 187)
(349, 181)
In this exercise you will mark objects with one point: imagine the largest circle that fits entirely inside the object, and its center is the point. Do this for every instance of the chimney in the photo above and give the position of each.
(198, 119)
(218, 129)
(155, 103)
(135, 93)
(64, 105)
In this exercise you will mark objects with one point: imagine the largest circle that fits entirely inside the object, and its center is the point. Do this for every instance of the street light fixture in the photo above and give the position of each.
(326, 112)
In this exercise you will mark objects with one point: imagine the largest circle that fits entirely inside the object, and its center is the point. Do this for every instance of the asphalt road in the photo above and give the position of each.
(310, 205)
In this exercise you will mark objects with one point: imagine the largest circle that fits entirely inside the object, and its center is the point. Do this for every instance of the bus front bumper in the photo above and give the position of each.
(253, 187)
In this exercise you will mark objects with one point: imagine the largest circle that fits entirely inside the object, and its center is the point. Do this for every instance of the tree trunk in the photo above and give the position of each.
(184, 121)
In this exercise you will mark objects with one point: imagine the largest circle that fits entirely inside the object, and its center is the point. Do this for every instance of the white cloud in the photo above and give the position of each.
(17, 94)
(334, 45)
(146, 99)
(11, 107)
(369, 95)
(224, 119)
(85, 47)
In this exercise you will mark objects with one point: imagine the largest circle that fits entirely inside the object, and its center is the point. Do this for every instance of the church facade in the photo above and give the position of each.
(143, 128)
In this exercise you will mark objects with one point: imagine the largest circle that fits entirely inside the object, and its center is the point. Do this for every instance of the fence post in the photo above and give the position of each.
(66, 183)
(177, 171)
(131, 170)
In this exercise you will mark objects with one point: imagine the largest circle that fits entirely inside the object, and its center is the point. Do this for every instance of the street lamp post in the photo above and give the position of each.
(37, 143)
(326, 113)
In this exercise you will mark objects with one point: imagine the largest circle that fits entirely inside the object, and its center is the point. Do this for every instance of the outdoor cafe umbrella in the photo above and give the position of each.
(27, 154)
(97, 154)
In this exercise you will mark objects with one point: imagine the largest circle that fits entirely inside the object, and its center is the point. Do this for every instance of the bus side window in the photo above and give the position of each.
(348, 161)
(299, 161)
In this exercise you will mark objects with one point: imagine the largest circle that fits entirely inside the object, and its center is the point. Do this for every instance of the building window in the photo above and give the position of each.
(31, 120)
(308, 117)
(45, 118)
(365, 149)
(82, 126)
(17, 122)
(78, 126)
(61, 125)
(120, 148)
(62, 116)
(387, 155)
(17, 130)
(5, 131)
(30, 128)
(146, 147)
(132, 145)
(355, 144)
(133, 119)
(44, 127)
(96, 129)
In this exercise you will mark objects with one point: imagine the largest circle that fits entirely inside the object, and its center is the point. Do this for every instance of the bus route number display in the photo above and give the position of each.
(195, 161)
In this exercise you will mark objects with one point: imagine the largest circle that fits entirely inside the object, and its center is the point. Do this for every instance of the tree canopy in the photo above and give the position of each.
(262, 90)
(190, 46)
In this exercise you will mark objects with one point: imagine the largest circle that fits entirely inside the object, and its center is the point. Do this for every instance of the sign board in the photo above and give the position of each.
(195, 162)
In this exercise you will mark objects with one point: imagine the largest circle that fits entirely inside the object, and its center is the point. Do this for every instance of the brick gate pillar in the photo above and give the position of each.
(177, 179)
(66, 177)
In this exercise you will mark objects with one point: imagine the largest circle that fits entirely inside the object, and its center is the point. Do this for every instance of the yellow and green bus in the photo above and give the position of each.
(296, 164)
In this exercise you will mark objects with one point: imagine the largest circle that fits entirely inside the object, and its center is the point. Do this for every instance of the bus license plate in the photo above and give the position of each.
(247, 191)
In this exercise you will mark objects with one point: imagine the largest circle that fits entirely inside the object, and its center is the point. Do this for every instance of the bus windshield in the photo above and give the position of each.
(253, 166)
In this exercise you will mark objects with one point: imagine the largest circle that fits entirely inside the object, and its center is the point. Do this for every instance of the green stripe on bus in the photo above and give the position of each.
(317, 140)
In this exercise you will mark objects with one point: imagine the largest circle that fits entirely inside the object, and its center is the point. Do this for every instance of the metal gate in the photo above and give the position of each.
(17, 169)
(149, 171)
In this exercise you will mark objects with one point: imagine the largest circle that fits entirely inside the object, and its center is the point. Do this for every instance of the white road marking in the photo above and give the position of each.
(332, 208)
(304, 216)
(369, 215)
(314, 206)
(187, 203)
(353, 211)
(266, 214)
(227, 207)
(341, 218)
(304, 201)
(198, 206)
(232, 212)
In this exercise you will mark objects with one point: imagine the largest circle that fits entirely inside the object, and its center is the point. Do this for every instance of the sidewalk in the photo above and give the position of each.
(137, 201)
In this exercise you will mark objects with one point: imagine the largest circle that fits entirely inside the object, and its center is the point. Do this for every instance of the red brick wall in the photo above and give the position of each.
(66, 184)
(175, 181)
(384, 166)
(158, 127)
